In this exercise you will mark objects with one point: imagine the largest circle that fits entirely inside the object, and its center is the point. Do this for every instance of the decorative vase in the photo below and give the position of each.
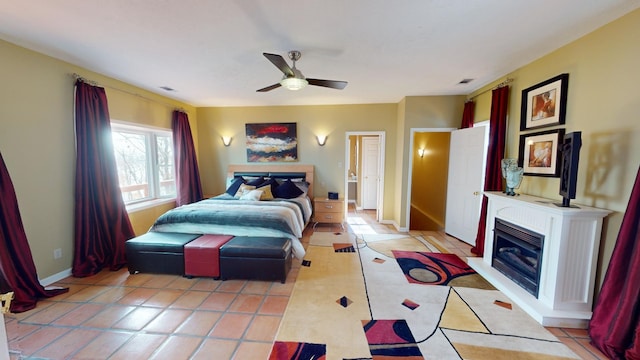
(514, 178)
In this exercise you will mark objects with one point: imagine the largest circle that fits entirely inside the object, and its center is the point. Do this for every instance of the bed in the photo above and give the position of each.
(243, 215)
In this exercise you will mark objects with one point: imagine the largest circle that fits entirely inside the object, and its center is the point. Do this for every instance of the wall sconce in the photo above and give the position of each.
(322, 139)
(226, 140)
(421, 152)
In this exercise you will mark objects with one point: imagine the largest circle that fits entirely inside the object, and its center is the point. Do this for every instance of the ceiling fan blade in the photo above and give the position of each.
(334, 84)
(280, 63)
(269, 88)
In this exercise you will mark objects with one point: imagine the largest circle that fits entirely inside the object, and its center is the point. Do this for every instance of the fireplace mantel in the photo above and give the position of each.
(570, 252)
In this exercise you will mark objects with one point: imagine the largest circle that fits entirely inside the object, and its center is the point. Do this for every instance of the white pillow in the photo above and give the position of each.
(253, 195)
(242, 189)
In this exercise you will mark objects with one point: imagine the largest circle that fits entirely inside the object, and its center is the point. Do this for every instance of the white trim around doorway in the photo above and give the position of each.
(380, 199)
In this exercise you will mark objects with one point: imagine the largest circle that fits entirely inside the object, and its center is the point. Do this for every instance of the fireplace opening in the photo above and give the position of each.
(517, 253)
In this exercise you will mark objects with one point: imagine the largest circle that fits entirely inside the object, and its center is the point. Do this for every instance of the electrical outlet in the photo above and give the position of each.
(57, 253)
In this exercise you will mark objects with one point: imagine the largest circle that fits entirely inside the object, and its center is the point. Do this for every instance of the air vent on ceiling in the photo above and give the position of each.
(465, 81)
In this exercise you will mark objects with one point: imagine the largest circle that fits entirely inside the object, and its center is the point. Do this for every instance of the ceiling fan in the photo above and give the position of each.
(293, 78)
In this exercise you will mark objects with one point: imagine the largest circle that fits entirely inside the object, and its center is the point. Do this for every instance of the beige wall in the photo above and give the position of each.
(329, 160)
(420, 112)
(355, 159)
(37, 143)
(400, 158)
(603, 102)
(354, 164)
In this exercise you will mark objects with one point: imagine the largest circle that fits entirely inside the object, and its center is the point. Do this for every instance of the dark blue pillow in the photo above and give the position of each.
(256, 182)
(288, 190)
(235, 185)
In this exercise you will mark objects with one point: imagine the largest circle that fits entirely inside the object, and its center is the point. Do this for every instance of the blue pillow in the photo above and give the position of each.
(256, 182)
(235, 185)
(288, 190)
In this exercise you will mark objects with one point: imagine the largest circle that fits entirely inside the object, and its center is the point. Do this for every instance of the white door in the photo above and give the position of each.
(467, 156)
(370, 172)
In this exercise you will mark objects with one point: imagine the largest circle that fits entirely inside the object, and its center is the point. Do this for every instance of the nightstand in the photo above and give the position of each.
(328, 211)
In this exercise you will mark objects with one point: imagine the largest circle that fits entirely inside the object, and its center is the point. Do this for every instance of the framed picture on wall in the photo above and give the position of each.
(272, 142)
(539, 153)
(544, 104)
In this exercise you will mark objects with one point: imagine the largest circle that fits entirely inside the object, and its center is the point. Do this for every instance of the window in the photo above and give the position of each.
(144, 157)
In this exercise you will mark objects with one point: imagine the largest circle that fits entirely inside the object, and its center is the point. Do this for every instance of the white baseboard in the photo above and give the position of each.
(56, 277)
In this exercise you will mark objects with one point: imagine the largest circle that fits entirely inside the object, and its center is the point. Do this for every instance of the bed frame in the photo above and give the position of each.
(279, 168)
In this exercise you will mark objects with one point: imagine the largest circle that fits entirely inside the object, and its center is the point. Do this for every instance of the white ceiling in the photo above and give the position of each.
(210, 51)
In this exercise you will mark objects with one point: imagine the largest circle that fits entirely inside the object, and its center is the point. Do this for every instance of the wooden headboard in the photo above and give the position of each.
(279, 168)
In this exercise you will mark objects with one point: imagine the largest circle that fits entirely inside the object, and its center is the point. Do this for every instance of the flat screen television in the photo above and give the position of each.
(569, 155)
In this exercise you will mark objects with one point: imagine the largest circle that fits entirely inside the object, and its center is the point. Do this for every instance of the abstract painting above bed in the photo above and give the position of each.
(227, 215)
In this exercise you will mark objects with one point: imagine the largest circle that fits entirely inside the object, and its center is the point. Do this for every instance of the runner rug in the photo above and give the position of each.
(400, 297)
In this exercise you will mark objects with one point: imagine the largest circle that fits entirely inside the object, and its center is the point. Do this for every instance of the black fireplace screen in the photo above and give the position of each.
(517, 253)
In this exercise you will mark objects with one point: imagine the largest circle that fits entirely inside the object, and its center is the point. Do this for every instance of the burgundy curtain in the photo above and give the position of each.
(17, 269)
(467, 114)
(188, 187)
(615, 324)
(101, 221)
(495, 154)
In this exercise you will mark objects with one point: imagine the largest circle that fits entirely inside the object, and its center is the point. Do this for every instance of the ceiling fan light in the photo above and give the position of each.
(293, 83)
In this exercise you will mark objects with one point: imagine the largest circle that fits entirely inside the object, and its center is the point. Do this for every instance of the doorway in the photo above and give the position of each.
(426, 203)
(364, 171)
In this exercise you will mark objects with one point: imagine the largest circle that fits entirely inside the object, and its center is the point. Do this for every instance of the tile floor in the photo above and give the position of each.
(114, 315)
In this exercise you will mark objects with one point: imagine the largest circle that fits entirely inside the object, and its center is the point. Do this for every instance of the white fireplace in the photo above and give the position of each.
(569, 256)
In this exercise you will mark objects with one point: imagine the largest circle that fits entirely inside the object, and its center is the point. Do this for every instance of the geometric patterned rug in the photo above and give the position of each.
(438, 269)
(396, 297)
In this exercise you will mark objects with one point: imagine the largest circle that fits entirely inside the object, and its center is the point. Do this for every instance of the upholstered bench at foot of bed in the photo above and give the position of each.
(157, 252)
(202, 256)
(256, 258)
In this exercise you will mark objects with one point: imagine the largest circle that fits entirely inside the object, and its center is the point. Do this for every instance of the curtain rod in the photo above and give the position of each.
(95, 83)
(506, 82)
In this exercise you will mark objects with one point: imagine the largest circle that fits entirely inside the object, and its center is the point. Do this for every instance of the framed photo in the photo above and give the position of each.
(544, 104)
(272, 142)
(539, 153)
